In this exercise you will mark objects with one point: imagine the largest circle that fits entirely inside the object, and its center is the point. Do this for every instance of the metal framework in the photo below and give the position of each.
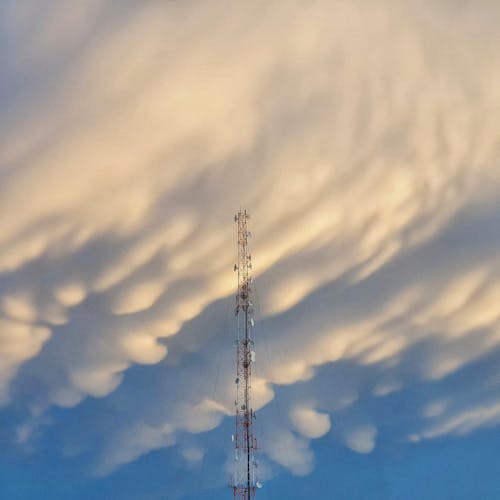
(244, 481)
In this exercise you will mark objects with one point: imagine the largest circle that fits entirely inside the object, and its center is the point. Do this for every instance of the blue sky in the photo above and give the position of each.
(363, 139)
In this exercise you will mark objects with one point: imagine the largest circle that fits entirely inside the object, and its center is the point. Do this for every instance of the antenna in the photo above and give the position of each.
(244, 481)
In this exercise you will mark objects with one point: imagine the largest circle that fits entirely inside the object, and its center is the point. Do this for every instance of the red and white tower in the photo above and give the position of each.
(244, 477)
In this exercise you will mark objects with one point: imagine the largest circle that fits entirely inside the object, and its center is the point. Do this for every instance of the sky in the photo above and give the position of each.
(363, 138)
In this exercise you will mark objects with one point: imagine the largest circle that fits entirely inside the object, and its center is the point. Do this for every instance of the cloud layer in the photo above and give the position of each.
(364, 141)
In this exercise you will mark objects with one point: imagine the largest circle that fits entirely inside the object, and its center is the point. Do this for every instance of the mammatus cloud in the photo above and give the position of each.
(362, 439)
(19, 343)
(362, 138)
(309, 422)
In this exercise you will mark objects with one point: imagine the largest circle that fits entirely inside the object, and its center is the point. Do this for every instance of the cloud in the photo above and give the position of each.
(310, 422)
(143, 438)
(362, 439)
(292, 452)
(465, 422)
(364, 141)
(18, 342)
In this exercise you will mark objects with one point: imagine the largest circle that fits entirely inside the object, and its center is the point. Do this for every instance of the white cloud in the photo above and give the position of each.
(309, 422)
(435, 408)
(192, 455)
(383, 389)
(362, 439)
(292, 452)
(464, 422)
(18, 342)
(143, 438)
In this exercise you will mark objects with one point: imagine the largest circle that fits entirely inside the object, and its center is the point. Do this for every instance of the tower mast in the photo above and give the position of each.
(244, 480)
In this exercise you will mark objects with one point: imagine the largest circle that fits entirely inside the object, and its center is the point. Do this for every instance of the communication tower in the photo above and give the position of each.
(244, 480)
